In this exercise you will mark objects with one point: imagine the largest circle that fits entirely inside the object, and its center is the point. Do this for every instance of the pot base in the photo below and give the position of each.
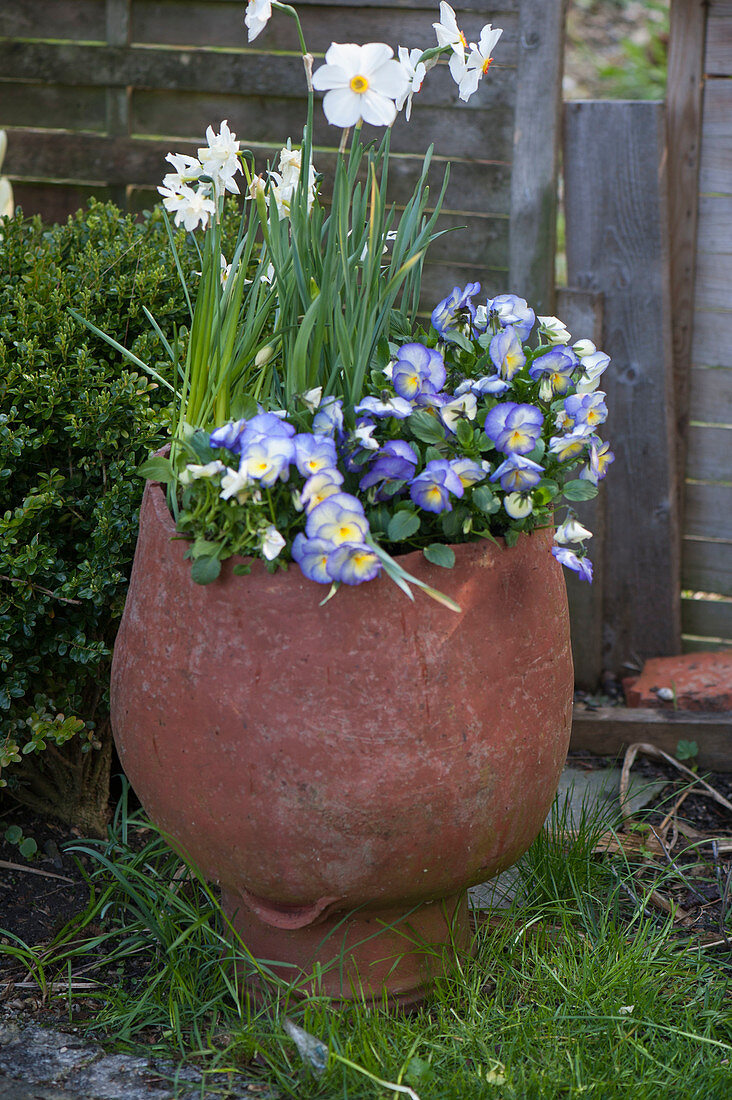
(367, 954)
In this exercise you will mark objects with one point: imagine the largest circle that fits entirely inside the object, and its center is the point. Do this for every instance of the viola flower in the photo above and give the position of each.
(363, 436)
(415, 71)
(338, 519)
(324, 484)
(490, 384)
(512, 428)
(311, 398)
(506, 353)
(518, 505)
(256, 17)
(600, 458)
(571, 531)
(567, 447)
(464, 407)
(583, 348)
(593, 367)
(581, 566)
(237, 483)
(555, 331)
(220, 160)
(194, 472)
(385, 406)
(456, 311)
(586, 409)
(361, 83)
(396, 461)
(228, 435)
(312, 557)
(271, 542)
(267, 459)
(469, 472)
(518, 473)
(353, 563)
(478, 62)
(314, 453)
(509, 309)
(418, 370)
(555, 368)
(328, 420)
(449, 34)
(431, 489)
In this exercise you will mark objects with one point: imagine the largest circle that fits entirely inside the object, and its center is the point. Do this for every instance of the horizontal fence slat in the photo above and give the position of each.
(712, 342)
(709, 455)
(706, 645)
(706, 566)
(711, 395)
(96, 160)
(707, 618)
(57, 200)
(438, 279)
(714, 227)
(718, 56)
(180, 115)
(192, 23)
(53, 108)
(480, 6)
(228, 72)
(610, 730)
(715, 170)
(708, 511)
(83, 20)
(713, 288)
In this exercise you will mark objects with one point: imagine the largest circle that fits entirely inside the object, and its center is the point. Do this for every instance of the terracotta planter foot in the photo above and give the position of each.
(359, 955)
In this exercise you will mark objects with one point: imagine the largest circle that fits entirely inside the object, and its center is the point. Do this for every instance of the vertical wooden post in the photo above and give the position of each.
(582, 312)
(532, 236)
(683, 130)
(118, 99)
(614, 159)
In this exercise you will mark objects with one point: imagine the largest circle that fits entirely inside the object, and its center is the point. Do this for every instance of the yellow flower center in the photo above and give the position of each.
(359, 84)
(487, 65)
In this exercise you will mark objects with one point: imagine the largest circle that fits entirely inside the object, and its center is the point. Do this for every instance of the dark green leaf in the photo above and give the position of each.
(402, 526)
(157, 468)
(439, 554)
(426, 427)
(485, 499)
(464, 432)
(205, 570)
(28, 847)
(579, 490)
(511, 536)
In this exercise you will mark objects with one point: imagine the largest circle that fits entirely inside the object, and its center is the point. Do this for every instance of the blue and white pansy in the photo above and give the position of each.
(477, 428)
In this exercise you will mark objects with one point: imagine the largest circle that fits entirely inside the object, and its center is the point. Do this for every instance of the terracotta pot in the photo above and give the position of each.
(349, 769)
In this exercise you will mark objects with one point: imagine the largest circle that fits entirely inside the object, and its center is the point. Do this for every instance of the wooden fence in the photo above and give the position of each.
(93, 93)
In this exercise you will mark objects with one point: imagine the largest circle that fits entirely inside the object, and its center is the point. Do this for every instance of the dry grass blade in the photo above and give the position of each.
(33, 871)
(651, 750)
(611, 843)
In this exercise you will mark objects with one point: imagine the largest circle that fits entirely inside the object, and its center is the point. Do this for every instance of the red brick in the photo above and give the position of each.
(698, 681)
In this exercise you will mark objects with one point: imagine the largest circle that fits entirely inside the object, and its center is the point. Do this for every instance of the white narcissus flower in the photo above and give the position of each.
(478, 61)
(190, 207)
(360, 82)
(449, 34)
(256, 17)
(220, 160)
(287, 180)
(416, 71)
(571, 531)
(272, 542)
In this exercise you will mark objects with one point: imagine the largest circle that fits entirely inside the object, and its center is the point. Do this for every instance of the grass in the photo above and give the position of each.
(577, 989)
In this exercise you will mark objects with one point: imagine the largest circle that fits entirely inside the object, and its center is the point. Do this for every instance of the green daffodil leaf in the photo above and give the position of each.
(439, 554)
(579, 490)
(402, 526)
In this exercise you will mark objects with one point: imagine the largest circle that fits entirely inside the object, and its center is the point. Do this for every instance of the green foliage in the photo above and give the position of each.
(75, 422)
(26, 845)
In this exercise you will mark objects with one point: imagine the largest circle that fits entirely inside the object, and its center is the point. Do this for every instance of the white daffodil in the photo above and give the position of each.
(272, 542)
(478, 61)
(555, 330)
(449, 34)
(571, 531)
(190, 207)
(220, 159)
(257, 16)
(360, 82)
(416, 72)
(7, 205)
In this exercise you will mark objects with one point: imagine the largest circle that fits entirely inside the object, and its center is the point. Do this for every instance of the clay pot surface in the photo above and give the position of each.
(368, 752)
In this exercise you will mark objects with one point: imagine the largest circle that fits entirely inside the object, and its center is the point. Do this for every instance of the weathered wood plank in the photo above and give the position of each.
(691, 644)
(713, 281)
(56, 200)
(274, 118)
(683, 128)
(189, 23)
(581, 311)
(719, 39)
(616, 243)
(711, 395)
(708, 511)
(227, 72)
(707, 566)
(92, 159)
(82, 20)
(712, 344)
(715, 172)
(709, 457)
(49, 107)
(609, 730)
(714, 231)
(438, 279)
(707, 618)
(536, 152)
(118, 99)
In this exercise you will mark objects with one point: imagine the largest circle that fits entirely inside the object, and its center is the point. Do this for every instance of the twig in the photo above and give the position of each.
(54, 987)
(651, 750)
(677, 869)
(33, 871)
(40, 588)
